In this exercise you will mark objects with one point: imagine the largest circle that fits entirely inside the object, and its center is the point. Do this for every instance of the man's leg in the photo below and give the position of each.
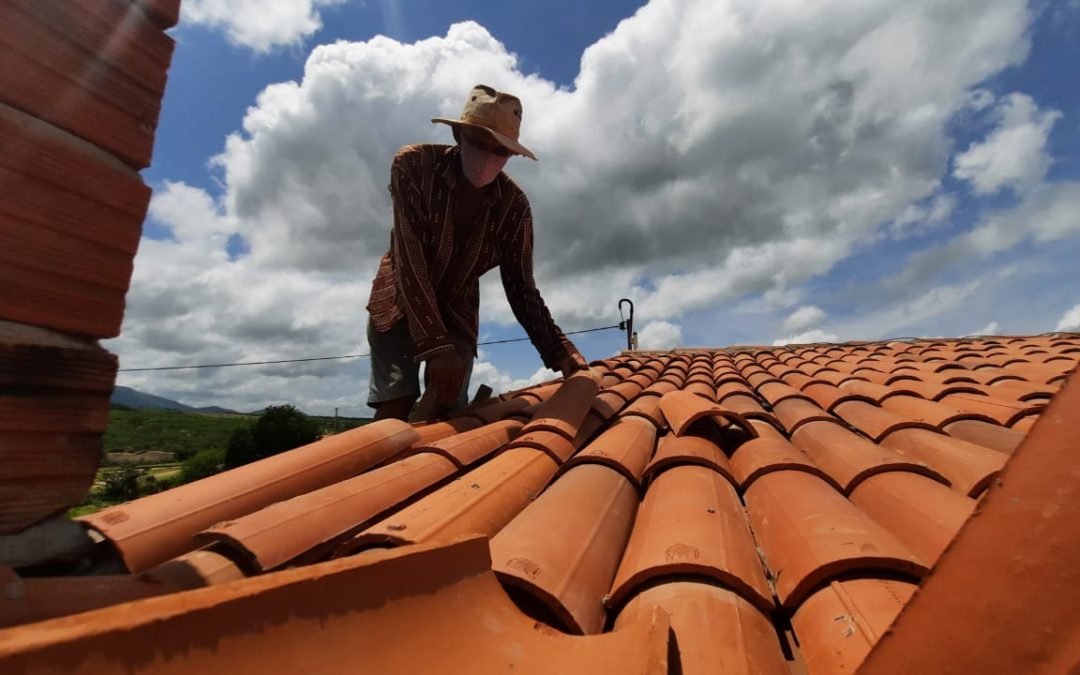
(395, 382)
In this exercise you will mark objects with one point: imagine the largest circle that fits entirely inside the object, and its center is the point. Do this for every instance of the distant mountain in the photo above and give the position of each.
(132, 398)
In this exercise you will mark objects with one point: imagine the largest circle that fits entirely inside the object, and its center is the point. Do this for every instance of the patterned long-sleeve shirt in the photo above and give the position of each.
(433, 282)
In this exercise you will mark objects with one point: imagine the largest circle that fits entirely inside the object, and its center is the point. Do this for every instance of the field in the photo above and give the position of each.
(158, 442)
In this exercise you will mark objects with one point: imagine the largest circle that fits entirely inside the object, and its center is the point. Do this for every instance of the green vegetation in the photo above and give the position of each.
(197, 444)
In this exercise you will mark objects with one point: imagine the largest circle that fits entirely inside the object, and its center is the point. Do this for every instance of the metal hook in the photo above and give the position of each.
(627, 324)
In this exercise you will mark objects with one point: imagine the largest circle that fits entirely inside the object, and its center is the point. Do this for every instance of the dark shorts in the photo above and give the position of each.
(394, 371)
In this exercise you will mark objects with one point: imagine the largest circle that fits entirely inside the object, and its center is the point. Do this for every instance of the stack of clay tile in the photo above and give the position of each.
(80, 90)
(775, 507)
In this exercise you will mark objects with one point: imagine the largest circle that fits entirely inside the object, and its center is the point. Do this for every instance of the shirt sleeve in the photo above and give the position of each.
(421, 308)
(516, 268)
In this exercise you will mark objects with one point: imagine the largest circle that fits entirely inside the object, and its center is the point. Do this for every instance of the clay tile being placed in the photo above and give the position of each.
(312, 524)
(153, 529)
(839, 624)
(770, 452)
(795, 412)
(564, 412)
(683, 409)
(716, 631)
(693, 450)
(990, 435)
(540, 394)
(492, 412)
(811, 534)
(479, 502)
(692, 523)
(647, 407)
(626, 446)
(967, 466)
(875, 421)
(922, 513)
(435, 431)
(469, 447)
(849, 458)
(563, 549)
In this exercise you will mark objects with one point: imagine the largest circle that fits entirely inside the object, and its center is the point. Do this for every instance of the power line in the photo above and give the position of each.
(328, 358)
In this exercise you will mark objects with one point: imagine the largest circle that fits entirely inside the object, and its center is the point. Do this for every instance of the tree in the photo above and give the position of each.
(122, 483)
(280, 428)
(202, 464)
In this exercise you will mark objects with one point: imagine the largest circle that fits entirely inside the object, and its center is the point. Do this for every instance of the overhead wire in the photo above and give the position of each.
(327, 358)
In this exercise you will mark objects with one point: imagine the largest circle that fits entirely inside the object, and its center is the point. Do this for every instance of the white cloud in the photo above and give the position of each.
(807, 316)
(485, 372)
(709, 151)
(992, 328)
(1014, 154)
(810, 336)
(257, 24)
(660, 335)
(1070, 321)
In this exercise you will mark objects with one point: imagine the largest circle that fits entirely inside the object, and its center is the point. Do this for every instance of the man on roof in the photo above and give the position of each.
(456, 216)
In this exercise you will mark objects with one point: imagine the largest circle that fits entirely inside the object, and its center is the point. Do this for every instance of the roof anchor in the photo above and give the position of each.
(628, 324)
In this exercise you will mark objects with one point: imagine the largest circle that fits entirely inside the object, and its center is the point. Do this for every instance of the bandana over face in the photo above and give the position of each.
(480, 166)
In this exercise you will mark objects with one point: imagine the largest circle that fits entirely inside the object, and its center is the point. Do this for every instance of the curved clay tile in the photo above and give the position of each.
(699, 388)
(922, 513)
(716, 631)
(1024, 424)
(874, 421)
(811, 534)
(935, 414)
(730, 388)
(626, 446)
(839, 624)
(704, 376)
(563, 549)
(874, 392)
(647, 407)
(760, 377)
(721, 377)
(795, 412)
(989, 434)
(659, 388)
(469, 447)
(673, 377)
(434, 431)
(312, 523)
(607, 403)
(692, 523)
(557, 446)
(775, 392)
(564, 412)
(760, 456)
(967, 466)
(829, 395)
(1005, 413)
(935, 390)
(609, 380)
(641, 379)
(849, 458)
(683, 409)
(626, 390)
(479, 502)
(30, 599)
(797, 379)
(748, 406)
(153, 529)
(675, 451)
(492, 412)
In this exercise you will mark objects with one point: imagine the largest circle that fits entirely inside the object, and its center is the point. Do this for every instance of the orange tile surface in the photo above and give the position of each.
(699, 486)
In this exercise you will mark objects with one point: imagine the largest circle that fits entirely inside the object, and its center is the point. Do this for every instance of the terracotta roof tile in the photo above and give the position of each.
(691, 523)
(683, 409)
(647, 407)
(563, 549)
(626, 446)
(967, 466)
(810, 534)
(675, 451)
(759, 456)
(565, 411)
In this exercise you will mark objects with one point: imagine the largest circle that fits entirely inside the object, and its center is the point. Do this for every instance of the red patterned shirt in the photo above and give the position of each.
(434, 282)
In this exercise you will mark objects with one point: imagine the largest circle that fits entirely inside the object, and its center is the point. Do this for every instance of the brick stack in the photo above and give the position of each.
(81, 85)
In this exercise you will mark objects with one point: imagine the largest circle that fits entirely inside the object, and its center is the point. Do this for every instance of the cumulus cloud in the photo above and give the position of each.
(992, 328)
(709, 150)
(1014, 155)
(804, 317)
(660, 335)
(808, 337)
(1070, 321)
(257, 24)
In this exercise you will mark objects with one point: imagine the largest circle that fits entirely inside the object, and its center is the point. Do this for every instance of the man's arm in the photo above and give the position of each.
(516, 268)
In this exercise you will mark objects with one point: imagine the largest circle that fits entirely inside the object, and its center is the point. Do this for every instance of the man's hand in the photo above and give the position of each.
(571, 363)
(444, 376)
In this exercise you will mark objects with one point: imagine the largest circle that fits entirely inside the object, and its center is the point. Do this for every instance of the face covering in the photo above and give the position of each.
(480, 166)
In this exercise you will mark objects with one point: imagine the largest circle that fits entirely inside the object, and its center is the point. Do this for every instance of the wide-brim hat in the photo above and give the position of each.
(496, 113)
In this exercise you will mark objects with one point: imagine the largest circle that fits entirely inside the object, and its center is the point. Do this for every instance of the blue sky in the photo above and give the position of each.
(918, 178)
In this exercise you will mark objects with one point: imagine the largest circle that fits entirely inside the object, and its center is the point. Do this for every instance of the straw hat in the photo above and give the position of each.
(497, 113)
